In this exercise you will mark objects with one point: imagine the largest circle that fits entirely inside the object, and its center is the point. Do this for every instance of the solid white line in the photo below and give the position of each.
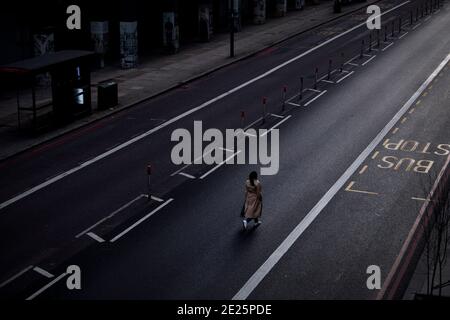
(111, 215)
(184, 114)
(315, 98)
(366, 62)
(34, 295)
(95, 237)
(43, 272)
(387, 46)
(294, 104)
(219, 165)
(14, 277)
(268, 265)
(186, 175)
(140, 221)
(327, 81)
(275, 126)
(346, 76)
(353, 64)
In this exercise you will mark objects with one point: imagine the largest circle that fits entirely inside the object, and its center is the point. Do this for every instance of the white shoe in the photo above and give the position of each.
(244, 222)
(258, 223)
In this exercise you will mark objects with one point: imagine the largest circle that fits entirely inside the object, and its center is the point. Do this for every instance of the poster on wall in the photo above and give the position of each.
(299, 4)
(128, 44)
(259, 11)
(236, 4)
(171, 31)
(43, 42)
(205, 23)
(281, 8)
(99, 37)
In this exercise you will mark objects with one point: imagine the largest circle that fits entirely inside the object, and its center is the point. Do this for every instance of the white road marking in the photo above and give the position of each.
(187, 175)
(14, 277)
(294, 104)
(275, 126)
(190, 164)
(254, 122)
(349, 61)
(353, 64)
(327, 81)
(313, 90)
(185, 114)
(225, 149)
(387, 46)
(134, 225)
(219, 165)
(403, 35)
(95, 237)
(420, 199)
(156, 199)
(276, 115)
(34, 295)
(249, 134)
(43, 272)
(126, 205)
(344, 77)
(315, 98)
(366, 62)
(273, 259)
(414, 28)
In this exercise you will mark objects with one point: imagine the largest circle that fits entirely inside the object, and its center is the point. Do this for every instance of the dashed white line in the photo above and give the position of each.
(134, 225)
(417, 25)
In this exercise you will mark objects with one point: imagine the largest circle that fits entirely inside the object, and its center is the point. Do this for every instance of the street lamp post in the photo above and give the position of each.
(232, 22)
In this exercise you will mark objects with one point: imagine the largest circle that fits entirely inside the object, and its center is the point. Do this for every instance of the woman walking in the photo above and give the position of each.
(253, 200)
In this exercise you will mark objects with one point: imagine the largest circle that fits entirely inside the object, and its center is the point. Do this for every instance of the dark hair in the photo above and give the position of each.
(252, 177)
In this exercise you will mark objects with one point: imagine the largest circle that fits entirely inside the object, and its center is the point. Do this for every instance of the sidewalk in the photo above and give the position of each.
(158, 74)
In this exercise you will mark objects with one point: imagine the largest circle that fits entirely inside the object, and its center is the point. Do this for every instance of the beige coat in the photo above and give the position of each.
(253, 200)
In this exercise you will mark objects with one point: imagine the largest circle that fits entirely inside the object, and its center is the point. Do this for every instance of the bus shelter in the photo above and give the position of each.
(52, 89)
